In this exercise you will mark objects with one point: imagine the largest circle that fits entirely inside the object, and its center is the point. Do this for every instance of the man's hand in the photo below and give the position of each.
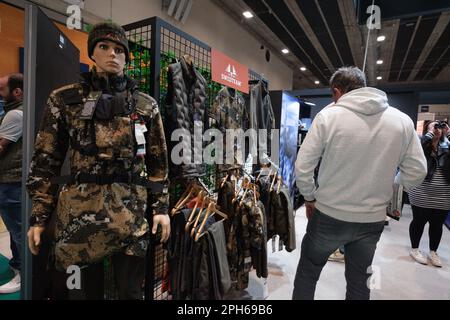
(446, 129)
(396, 213)
(310, 206)
(164, 221)
(34, 238)
(3, 145)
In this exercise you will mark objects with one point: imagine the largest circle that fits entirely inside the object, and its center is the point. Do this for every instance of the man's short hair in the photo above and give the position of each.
(15, 81)
(347, 79)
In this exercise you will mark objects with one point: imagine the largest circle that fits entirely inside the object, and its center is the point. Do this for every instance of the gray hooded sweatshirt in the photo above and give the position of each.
(362, 142)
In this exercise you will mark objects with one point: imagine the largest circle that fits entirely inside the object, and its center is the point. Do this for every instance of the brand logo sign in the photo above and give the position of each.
(228, 72)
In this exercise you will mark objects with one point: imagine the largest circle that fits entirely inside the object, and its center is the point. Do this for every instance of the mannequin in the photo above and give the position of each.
(119, 166)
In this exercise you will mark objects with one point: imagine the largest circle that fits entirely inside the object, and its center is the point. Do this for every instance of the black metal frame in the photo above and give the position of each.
(157, 35)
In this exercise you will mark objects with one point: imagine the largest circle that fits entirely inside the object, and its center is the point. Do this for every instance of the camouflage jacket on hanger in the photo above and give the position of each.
(229, 112)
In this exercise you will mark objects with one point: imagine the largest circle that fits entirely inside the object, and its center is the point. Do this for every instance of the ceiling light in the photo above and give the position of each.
(379, 61)
(285, 51)
(247, 14)
(317, 82)
(379, 78)
(381, 38)
(303, 68)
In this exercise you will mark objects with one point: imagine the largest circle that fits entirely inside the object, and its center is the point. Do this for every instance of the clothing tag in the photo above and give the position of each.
(89, 106)
(140, 138)
(142, 127)
(88, 110)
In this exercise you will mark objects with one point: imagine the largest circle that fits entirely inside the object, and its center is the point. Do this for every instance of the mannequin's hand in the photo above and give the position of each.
(164, 221)
(34, 238)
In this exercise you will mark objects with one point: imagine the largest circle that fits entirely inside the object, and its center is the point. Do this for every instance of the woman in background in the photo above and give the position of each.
(430, 201)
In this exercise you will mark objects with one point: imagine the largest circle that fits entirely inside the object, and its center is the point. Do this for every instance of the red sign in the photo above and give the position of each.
(228, 72)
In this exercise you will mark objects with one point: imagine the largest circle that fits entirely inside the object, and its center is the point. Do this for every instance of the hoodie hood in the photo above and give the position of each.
(366, 100)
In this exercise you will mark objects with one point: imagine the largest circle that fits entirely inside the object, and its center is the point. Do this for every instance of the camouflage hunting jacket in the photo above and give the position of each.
(230, 113)
(96, 220)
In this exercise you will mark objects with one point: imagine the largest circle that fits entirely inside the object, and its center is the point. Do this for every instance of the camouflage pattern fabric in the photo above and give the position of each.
(94, 221)
(245, 234)
(229, 112)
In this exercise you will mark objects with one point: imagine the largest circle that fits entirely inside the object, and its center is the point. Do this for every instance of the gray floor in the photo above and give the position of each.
(398, 276)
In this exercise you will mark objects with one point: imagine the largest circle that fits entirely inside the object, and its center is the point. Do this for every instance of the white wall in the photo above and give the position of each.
(208, 23)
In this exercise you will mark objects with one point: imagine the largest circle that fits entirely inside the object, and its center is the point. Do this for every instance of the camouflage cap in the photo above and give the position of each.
(108, 31)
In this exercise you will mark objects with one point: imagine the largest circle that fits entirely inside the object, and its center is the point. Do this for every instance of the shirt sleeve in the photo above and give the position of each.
(413, 167)
(11, 127)
(157, 164)
(50, 150)
(308, 158)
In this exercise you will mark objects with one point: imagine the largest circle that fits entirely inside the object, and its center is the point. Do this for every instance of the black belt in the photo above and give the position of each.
(102, 179)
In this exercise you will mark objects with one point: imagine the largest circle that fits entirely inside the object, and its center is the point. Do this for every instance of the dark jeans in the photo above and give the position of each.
(323, 236)
(421, 216)
(129, 273)
(10, 211)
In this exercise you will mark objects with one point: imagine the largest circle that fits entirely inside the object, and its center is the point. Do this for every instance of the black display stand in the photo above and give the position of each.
(50, 61)
(155, 44)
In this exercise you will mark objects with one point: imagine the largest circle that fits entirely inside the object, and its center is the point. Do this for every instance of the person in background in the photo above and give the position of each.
(361, 142)
(430, 201)
(11, 89)
(2, 109)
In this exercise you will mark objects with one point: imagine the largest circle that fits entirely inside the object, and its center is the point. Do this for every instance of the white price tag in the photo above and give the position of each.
(140, 138)
(141, 127)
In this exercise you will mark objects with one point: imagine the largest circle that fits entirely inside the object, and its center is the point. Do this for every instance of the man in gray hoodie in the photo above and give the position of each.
(362, 141)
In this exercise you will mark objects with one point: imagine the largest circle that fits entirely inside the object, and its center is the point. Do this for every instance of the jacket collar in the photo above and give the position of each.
(189, 71)
(108, 83)
(12, 105)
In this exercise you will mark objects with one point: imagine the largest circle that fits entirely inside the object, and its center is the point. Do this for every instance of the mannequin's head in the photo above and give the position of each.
(108, 47)
(109, 57)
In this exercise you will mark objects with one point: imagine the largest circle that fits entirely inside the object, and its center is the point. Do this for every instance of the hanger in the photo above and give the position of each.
(243, 197)
(236, 194)
(280, 181)
(188, 60)
(255, 198)
(224, 180)
(191, 189)
(275, 177)
(200, 198)
(254, 188)
(259, 175)
(209, 213)
(208, 210)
